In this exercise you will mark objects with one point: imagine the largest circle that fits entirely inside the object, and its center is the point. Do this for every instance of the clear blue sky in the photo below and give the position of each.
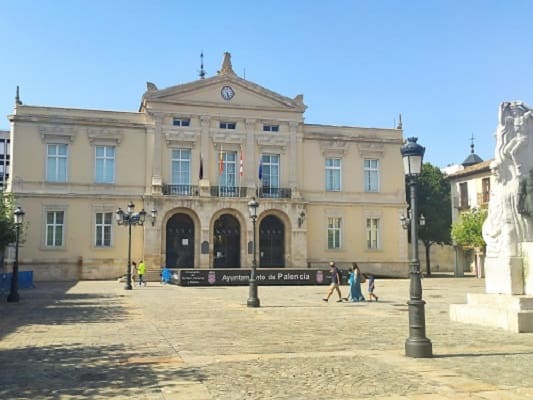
(445, 65)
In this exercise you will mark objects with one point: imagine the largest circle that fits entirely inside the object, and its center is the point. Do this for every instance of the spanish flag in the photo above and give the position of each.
(221, 161)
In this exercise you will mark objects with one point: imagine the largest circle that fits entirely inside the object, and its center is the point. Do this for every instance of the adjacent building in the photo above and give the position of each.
(470, 185)
(4, 159)
(197, 153)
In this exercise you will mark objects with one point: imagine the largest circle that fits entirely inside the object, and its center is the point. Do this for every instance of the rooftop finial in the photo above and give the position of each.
(17, 97)
(472, 143)
(202, 71)
(400, 125)
(226, 69)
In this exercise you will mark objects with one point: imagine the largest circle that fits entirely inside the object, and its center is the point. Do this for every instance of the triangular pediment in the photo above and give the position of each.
(225, 90)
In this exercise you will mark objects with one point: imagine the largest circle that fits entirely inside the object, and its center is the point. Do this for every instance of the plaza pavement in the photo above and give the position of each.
(94, 340)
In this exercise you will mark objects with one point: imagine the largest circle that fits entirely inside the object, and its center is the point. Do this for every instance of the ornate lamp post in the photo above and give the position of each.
(417, 344)
(253, 300)
(13, 296)
(128, 219)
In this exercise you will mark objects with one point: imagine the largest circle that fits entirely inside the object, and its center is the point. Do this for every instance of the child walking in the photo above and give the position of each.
(371, 288)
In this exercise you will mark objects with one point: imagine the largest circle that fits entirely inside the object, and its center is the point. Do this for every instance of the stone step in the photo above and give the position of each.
(501, 301)
(510, 320)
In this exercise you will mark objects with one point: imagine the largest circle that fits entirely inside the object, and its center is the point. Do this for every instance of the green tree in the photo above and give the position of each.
(467, 231)
(434, 203)
(7, 224)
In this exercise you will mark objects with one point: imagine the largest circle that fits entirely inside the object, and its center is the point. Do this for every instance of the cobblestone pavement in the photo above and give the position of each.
(95, 340)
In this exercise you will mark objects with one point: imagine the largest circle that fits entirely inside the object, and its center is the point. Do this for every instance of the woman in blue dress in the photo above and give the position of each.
(355, 284)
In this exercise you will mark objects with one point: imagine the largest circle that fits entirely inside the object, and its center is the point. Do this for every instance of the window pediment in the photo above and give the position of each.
(371, 149)
(57, 134)
(176, 137)
(334, 149)
(104, 136)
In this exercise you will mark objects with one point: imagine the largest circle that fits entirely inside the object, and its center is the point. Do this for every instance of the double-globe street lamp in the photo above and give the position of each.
(253, 300)
(13, 297)
(128, 219)
(417, 344)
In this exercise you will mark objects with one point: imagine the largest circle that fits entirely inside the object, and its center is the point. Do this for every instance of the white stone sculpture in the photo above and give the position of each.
(509, 223)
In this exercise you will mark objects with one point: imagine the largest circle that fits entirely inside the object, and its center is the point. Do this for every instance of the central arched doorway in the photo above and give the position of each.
(227, 242)
(180, 242)
(271, 243)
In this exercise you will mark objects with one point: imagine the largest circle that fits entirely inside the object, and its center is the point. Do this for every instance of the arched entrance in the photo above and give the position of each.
(271, 243)
(180, 242)
(227, 242)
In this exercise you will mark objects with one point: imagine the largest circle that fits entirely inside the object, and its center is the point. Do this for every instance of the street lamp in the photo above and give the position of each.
(417, 344)
(13, 297)
(253, 300)
(128, 219)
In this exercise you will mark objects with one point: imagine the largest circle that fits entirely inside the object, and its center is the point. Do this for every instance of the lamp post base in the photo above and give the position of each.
(13, 298)
(253, 300)
(128, 286)
(418, 348)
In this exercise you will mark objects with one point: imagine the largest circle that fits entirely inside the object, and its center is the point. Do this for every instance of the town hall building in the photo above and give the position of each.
(197, 153)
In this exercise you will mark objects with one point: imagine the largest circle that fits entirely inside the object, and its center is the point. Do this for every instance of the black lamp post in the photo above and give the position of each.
(253, 300)
(128, 219)
(13, 296)
(417, 344)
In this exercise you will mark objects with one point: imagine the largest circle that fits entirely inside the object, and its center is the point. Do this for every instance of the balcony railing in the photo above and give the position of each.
(180, 190)
(228, 191)
(274, 192)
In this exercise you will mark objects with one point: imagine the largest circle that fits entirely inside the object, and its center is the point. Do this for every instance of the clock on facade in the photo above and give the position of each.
(227, 92)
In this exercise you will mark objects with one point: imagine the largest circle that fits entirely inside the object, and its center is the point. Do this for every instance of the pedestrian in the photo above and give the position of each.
(371, 288)
(335, 282)
(355, 279)
(133, 270)
(140, 272)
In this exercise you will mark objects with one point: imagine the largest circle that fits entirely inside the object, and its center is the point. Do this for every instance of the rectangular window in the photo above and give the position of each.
(54, 228)
(371, 175)
(227, 125)
(333, 174)
(56, 162)
(103, 229)
(181, 122)
(334, 233)
(270, 128)
(228, 178)
(372, 233)
(181, 166)
(463, 192)
(104, 164)
(270, 175)
(485, 187)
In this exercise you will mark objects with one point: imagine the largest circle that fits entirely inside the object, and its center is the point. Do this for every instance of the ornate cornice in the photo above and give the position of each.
(111, 136)
(57, 133)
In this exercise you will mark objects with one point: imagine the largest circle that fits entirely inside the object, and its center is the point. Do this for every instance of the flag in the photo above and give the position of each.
(241, 165)
(260, 169)
(201, 173)
(221, 161)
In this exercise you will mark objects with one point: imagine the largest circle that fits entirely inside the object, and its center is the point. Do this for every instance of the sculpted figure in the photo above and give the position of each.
(506, 226)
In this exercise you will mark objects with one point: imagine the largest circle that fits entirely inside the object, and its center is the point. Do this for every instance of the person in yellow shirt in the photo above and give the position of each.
(141, 268)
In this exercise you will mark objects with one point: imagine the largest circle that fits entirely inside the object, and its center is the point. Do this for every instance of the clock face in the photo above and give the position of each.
(227, 92)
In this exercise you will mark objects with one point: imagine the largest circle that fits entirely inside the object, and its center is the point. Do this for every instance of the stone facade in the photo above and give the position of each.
(194, 153)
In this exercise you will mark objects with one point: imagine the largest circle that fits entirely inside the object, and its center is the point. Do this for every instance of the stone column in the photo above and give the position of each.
(250, 162)
(156, 156)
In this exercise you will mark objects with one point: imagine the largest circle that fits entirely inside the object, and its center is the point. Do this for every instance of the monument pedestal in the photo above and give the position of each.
(510, 312)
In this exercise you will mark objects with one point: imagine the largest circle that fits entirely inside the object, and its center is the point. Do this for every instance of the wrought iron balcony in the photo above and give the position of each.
(228, 191)
(274, 192)
(180, 190)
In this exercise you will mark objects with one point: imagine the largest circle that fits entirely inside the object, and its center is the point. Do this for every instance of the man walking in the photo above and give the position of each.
(335, 282)
(140, 272)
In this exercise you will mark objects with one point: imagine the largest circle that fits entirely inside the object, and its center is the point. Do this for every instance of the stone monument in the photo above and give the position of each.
(508, 230)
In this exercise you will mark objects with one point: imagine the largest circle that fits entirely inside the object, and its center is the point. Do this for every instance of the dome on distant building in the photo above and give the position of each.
(472, 158)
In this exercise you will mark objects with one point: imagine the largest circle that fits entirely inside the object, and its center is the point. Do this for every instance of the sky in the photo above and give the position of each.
(445, 65)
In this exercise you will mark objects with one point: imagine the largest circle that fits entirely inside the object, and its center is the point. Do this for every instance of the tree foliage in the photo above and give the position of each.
(467, 231)
(7, 225)
(434, 202)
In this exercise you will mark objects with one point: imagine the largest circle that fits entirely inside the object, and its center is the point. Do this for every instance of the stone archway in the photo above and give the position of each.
(227, 242)
(180, 241)
(271, 242)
